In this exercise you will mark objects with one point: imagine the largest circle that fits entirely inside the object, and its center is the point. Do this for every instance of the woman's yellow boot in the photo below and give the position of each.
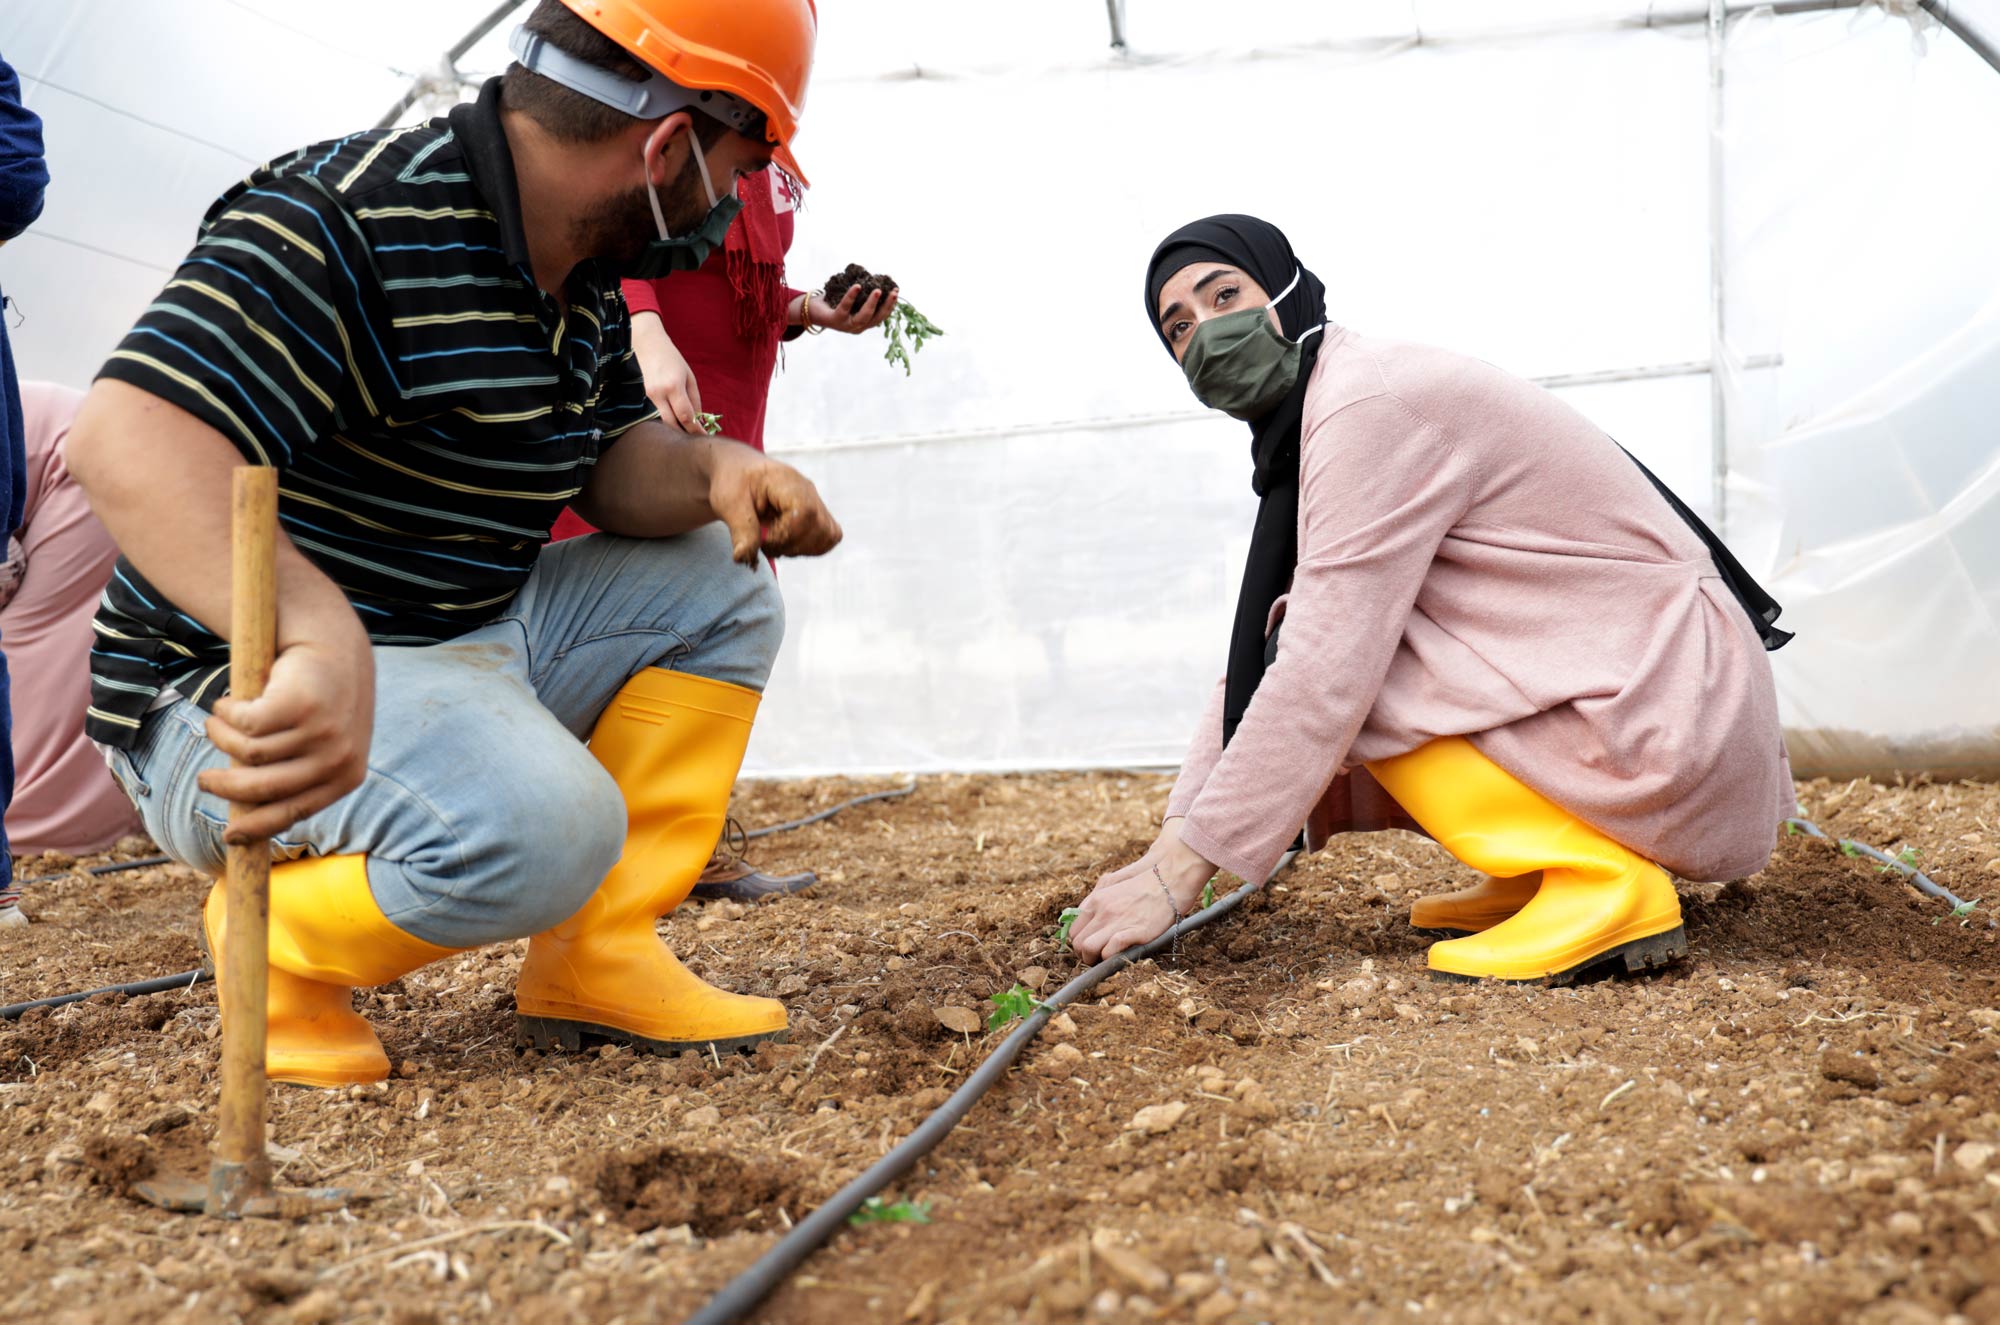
(327, 936)
(1479, 907)
(674, 743)
(1599, 901)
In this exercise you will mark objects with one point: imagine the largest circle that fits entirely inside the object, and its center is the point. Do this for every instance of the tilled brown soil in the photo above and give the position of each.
(1799, 1123)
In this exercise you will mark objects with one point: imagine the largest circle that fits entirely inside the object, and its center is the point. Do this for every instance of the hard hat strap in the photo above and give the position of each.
(655, 98)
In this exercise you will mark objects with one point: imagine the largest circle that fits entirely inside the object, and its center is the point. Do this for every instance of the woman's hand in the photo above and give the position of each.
(852, 314)
(1130, 907)
(669, 381)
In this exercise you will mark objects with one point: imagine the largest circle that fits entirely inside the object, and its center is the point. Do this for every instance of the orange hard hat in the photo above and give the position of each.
(759, 50)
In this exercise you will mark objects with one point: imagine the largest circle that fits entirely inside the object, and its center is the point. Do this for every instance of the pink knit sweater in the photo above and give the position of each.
(1477, 559)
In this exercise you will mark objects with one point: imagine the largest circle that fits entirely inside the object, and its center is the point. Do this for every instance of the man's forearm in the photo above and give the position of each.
(652, 483)
(159, 479)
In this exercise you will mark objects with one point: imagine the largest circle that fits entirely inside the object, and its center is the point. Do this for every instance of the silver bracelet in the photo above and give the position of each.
(1174, 953)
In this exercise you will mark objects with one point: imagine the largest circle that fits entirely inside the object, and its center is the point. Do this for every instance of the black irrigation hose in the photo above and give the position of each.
(790, 824)
(189, 978)
(99, 869)
(746, 1290)
(185, 980)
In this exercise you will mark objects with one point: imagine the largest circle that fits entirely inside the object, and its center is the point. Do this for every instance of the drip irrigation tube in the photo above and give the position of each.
(745, 1291)
(825, 814)
(187, 979)
(119, 867)
(1923, 882)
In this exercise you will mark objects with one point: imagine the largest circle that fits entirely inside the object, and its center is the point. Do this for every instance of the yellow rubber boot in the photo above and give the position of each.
(1480, 907)
(1599, 901)
(327, 936)
(674, 743)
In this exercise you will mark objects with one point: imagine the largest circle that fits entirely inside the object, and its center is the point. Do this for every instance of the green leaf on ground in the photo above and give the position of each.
(875, 1210)
(1014, 1005)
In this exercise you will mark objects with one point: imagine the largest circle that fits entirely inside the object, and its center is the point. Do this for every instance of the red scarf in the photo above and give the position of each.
(754, 259)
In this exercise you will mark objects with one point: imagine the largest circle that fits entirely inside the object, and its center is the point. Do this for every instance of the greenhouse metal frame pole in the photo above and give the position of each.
(449, 65)
(1964, 31)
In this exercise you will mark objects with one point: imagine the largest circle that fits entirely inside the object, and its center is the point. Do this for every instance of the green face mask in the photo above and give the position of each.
(1240, 364)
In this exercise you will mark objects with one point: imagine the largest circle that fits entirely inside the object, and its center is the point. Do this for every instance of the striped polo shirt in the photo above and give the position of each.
(361, 315)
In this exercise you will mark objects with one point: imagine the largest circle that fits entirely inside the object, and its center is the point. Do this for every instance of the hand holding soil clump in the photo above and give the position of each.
(906, 328)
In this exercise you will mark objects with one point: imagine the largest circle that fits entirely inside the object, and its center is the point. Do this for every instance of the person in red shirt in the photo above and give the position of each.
(707, 341)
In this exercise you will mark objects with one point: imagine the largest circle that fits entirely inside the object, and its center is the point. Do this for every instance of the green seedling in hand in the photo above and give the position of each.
(875, 1210)
(1067, 918)
(1014, 1005)
(906, 321)
(710, 423)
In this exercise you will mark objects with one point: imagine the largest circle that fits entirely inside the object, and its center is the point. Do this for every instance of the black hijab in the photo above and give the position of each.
(1261, 250)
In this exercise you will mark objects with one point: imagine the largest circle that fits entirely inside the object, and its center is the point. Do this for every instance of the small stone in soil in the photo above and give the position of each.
(1158, 1118)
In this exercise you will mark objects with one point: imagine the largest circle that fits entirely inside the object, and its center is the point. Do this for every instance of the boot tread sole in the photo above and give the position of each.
(548, 1033)
(1639, 955)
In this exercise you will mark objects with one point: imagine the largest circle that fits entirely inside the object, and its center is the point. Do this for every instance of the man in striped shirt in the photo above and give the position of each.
(420, 329)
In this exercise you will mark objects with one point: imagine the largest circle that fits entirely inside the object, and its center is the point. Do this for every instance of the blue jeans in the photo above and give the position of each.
(483, 815)
(6, 769)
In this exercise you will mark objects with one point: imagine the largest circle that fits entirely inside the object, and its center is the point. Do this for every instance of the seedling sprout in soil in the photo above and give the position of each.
(710, 423)
(875, 1210)
(906, 328)
(1962, 913)
(1014, 1005)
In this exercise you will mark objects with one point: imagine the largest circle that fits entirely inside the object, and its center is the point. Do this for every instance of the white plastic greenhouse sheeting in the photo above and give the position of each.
(1862, 196)
(1039, 566)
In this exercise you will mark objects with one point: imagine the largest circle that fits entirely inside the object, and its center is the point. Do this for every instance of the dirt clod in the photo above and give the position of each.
(118, 1161)
(710, 1192)
(838, 284)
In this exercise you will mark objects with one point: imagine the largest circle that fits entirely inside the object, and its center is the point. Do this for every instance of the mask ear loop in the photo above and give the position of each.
(653, 194)
(701, 164)
(653, 197)
(1297, 273)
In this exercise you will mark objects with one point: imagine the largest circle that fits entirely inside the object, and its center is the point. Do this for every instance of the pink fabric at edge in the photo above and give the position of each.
(64, 798)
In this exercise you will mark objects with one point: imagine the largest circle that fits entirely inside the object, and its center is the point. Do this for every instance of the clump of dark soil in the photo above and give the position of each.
(118, 1161)
(711, 1192)
(838, 284)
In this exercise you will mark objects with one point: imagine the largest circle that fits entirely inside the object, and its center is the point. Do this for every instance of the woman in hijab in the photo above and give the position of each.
(1465, 611)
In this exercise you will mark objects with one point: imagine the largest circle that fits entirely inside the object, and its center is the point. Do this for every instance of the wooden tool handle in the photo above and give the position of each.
(253, 618)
